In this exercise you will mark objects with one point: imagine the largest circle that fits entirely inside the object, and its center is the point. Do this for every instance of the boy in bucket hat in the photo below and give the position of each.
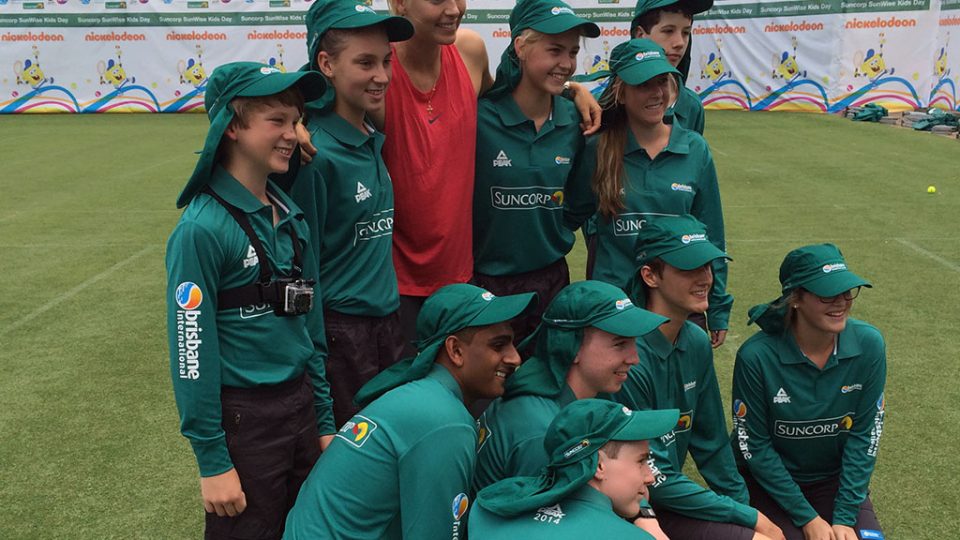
(585, 346)
(242, 334)
(674, 258)
(596, 476)
(668, 23)
(808, 405)
(400, 465)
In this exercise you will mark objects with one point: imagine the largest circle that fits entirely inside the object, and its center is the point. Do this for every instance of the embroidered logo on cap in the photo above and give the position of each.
(623, 304)
(488, 296)
(627, 411)
(268, 70)
(558, 10)
(641, 56)
(827, 268)
(364, 9)
(687, 238)
(576, 449)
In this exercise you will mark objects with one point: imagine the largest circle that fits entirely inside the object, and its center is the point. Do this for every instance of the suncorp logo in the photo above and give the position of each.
(576, 449)
(380, 224)
(827, 268)
(628, 224)
(812, 429)
(526, 198)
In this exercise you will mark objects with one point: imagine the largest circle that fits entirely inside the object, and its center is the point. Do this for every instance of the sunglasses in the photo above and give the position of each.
(846, 295)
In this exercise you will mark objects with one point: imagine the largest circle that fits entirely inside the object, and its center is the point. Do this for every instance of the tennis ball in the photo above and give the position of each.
(931, 189)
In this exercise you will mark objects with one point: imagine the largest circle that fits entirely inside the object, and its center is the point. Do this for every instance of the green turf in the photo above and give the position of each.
(89, 445)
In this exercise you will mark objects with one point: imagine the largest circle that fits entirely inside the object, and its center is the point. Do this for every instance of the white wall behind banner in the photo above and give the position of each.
(799, 55)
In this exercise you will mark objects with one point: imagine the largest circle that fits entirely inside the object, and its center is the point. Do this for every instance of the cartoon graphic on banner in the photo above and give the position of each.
(790, 96)
(113, 73)
(42, 94)
(724, 91)
(881, 86)
(191, 72)
(944, 93)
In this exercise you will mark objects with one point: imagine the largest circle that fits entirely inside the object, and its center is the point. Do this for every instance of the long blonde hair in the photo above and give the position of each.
(609, 176)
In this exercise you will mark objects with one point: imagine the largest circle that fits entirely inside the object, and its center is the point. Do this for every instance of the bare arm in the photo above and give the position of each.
(473, 51)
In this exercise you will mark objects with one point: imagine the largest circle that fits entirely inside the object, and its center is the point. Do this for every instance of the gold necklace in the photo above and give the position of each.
(430, 100)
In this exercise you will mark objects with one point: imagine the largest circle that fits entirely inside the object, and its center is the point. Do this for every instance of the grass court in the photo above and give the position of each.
(89, 440)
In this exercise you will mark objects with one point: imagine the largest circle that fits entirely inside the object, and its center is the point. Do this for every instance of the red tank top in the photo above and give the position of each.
(431, 156)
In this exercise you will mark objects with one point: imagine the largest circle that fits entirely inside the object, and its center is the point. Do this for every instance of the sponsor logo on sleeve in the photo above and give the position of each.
(357, 430)
(685, 422)
(483, 431)
(526, 198)
(188, 297)
(813, 429)
(459, 508)
(740, 427)
(658, 476)
(877, 430)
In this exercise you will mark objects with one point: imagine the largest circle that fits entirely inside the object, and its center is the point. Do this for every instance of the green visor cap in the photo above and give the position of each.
(603, 306)
(326, 15)
(233, 80)
(819, 269)
(447, 311)
(692, 6)
(549, 17)
(572, 441)
(680, 241)
(635, 62)
(584, 426)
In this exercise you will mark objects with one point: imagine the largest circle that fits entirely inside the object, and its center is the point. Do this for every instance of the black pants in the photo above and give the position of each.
(409, 310)
(273, 442)
(821, 496)
(688, 528)
(546, 282)
(358, 349)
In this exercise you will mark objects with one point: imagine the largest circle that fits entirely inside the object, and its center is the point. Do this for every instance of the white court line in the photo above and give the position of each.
(951, 265)
(73, 292)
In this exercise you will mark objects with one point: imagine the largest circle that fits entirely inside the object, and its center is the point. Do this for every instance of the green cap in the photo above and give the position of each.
(572, 441)
(446, 312)
(635, 62)
(240, 79)
(680, 241)
(325, 15)
(693, 6)
(578, 306)
(819, 268)
(544, 16)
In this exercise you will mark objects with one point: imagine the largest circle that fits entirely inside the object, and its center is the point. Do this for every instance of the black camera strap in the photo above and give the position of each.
(265, 290)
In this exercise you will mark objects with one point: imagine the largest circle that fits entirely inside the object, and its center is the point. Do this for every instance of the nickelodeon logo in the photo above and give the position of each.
(614, 32)
(501, 33)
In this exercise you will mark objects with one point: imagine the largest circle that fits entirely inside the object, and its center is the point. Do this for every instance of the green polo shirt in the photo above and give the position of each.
(795, 423)
(688, 109)
(400, 468)
(586, 513)
(511, 435)
(681, 179)
(681, 376)
(347, 197)
(519, 187)
(239, 347)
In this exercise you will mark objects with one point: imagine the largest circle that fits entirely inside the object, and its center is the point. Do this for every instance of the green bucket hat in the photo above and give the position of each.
(572, 441)
(635, 62)
(544, 16)
(680, 241)
(325, 15)
(240, 79)
(447, 311)
(557, 340)
(819, 268)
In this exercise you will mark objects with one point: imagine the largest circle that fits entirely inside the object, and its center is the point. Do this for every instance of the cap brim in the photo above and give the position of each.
(693, 255)
(559, 24)
(631, 322)
(695, 6)
(311, 85)
(504, 308)
(397, 28)
(834, 283)
(642, 72)
(646, 425)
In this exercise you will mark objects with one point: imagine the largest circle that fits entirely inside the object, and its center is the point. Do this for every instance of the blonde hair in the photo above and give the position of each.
(790, 317)
(609, 176)
(529, 36)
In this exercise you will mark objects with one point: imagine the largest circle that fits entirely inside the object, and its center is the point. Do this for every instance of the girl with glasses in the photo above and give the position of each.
(808, 405)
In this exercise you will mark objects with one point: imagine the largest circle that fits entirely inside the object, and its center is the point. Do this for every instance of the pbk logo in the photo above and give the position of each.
(460, 504)
(188, 295)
